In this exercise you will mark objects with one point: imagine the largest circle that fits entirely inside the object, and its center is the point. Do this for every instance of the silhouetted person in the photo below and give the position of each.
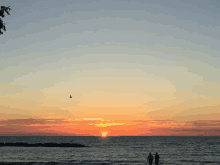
(150, 158)
(157, 158)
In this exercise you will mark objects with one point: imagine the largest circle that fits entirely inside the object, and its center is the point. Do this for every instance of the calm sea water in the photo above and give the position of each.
(115, 150)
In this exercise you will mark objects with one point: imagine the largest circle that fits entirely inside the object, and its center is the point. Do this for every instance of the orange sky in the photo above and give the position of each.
(92, 127)
(123, 121)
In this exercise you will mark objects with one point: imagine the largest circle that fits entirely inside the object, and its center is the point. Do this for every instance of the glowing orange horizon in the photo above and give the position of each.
(107, 128)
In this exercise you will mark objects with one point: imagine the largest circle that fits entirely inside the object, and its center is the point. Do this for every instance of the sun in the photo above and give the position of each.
(104, 134)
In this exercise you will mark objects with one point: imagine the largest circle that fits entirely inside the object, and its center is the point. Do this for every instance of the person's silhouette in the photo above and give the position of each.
(150, 158)
(157, 157)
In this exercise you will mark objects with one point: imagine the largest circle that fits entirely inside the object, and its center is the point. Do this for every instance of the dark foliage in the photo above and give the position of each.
(2, 24)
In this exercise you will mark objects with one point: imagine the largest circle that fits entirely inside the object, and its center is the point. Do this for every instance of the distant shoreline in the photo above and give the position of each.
(41, 145)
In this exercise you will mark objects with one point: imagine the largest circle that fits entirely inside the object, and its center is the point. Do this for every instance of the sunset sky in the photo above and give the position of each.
(133, 68)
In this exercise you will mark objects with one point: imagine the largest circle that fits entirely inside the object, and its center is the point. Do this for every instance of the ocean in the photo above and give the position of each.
(113, 150)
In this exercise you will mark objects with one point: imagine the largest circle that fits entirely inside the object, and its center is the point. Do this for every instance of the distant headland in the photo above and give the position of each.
(41, 145)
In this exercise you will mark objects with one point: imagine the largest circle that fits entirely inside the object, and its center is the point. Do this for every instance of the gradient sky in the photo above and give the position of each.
(132, 67)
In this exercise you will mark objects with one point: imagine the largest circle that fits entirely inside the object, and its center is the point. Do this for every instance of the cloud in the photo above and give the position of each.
(10, 73)
(117, 98)
(201, 102)
(192, 113)
(185, 95)
(31, 121)
(207, 69)
(25, 98)
(40, 113)
(38, 100)
(8, 88)
(180, 100)
(14, 113)
(53, 113)
(163, 104)
(208, 89)
(200, 113)
(162, 114)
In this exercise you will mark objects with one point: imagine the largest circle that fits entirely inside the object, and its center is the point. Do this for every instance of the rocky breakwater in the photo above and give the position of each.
(42, 145)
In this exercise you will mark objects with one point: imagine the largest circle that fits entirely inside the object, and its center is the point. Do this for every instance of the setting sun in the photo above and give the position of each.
(104, 134)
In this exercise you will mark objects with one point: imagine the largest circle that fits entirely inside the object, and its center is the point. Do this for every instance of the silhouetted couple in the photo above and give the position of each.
(150, 159)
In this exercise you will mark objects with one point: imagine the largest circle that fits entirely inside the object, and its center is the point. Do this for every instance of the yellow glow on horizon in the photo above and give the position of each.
(93, 119)
(108, 124)
(104, 134)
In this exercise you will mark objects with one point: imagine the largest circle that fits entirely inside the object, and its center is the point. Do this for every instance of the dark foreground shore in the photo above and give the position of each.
(41, 145)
